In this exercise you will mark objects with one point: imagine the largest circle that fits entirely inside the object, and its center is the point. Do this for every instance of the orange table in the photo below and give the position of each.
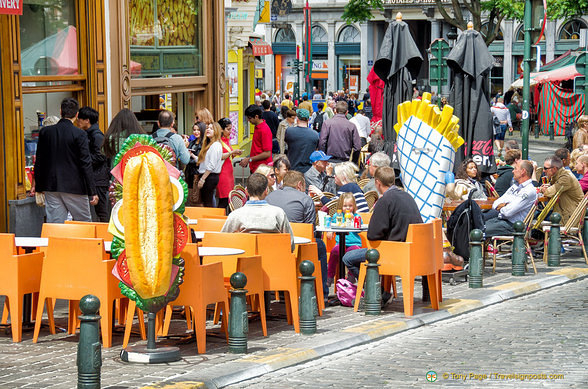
(450, 205)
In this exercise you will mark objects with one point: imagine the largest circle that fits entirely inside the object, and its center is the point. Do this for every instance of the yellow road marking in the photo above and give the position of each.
(378, 328)
(571, 272)
(455, 306)
(518, 287)
(176, 385)
(280, 355)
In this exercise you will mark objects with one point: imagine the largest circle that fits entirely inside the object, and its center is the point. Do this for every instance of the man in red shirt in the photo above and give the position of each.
(261, 146)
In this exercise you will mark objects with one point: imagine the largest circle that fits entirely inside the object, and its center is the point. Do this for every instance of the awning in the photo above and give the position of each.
(565, 73)
(260, 47)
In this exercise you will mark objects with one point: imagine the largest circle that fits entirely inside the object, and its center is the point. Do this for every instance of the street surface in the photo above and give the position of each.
(542, 336)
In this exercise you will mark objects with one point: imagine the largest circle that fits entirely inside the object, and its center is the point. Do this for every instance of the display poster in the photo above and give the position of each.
(353, 84)
(233, 76)
(290, 80)
(234, 118)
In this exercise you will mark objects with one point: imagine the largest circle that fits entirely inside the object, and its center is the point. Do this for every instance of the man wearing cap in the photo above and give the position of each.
(301, 141)
(320, 173)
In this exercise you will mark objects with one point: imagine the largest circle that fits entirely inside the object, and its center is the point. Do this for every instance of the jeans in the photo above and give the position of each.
(352, 259)
(322, 257)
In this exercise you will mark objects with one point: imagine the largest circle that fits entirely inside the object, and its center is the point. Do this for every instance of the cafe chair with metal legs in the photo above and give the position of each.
(70, 276)
(409, 259)
(279, 271)
(203, 285)
(20, 275)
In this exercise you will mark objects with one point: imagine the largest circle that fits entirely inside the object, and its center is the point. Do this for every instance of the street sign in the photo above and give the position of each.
(438, 70)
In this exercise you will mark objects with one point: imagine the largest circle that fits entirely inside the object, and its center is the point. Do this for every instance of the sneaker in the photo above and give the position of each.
(385, 297)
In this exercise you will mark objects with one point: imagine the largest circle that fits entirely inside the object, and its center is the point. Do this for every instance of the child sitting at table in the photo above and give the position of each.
(346, 204)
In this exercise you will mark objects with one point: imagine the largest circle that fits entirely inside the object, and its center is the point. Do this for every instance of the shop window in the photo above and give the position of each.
(319, 35)
(349, 34)
(166, 38)
(520, 34)
(484, 32)
(571, 30)
(349, 72)
(48, 38)
(496, 76)
(285, 35)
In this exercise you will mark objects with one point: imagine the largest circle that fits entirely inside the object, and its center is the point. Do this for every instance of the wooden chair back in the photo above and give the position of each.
(363, 182)
(577, 217)
(371, 197)
(236, 199)
(548, 207)
(491, 191)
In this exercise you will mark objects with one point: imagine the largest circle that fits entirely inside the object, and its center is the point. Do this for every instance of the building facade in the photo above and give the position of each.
(342, 52)
(108, 54)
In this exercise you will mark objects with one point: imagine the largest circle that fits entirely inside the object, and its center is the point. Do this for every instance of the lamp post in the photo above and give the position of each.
(532, 10)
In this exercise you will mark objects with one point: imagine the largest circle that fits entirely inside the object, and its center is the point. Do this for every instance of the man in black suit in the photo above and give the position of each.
(88, 121)
(63, 168)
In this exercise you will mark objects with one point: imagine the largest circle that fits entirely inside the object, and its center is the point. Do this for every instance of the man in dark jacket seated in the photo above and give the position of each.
(392, 214)
(505, 174)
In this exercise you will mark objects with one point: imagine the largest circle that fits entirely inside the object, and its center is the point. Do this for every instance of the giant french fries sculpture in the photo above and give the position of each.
(427, 140)
(147, 223)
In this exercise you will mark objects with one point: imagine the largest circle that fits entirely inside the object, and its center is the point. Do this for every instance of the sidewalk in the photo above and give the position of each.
(52, 361)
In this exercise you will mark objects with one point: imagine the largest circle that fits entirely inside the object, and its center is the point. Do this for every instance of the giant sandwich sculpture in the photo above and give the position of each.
(427, 140)
(149, 229)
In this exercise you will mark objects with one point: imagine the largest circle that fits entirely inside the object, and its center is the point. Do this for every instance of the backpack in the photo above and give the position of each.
(466, 217)
(317, 125)
(346, 292)
(164, 140)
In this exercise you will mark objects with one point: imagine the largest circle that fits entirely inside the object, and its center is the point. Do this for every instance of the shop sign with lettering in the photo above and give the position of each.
(11, 7)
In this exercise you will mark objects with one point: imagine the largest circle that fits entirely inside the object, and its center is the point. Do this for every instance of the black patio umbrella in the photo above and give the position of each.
(397, 65)
(471, 63)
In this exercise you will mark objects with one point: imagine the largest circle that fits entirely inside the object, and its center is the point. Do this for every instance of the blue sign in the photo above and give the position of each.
(370, 63)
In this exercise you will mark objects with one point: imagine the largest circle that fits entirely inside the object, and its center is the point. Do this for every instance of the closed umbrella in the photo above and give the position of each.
(471, 63)
(397, 65)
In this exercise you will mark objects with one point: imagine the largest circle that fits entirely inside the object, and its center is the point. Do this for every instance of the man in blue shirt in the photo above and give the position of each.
(515, 204)
(301, 141)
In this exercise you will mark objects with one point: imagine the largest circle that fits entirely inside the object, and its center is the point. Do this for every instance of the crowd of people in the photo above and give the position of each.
(300, 160)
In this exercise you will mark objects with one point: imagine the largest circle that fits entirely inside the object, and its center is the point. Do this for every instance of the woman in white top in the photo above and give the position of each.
(211, 163)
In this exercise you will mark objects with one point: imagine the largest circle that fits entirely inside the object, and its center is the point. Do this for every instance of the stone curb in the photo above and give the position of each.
(256, 365)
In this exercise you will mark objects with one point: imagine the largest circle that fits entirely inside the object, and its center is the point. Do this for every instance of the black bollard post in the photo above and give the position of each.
(551, 131)
(585, 231)
(307, 305)
(373, 288)
(536, 129)
(89, 359)
(519, 251)
(554, 248)
(238, 317)
(476, 272)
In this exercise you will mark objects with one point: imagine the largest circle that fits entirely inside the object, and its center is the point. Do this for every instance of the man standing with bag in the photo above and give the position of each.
(339, 137)
(63, 168)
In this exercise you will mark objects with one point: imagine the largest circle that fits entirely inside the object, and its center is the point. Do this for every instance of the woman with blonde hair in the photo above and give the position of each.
(345, 179)
(211, 163)
(582, 169)
(581, 134)
(267, 171)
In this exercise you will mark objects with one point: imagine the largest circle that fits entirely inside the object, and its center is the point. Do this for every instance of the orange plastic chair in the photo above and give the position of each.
(279, 271)
(438, 252)
(251, 267)
(203, 285)
(303, 230)
(214, 225)
(409, 259)
(21, 275)
(68, 275)
(101, 229)
(199, 212)
(366, 217)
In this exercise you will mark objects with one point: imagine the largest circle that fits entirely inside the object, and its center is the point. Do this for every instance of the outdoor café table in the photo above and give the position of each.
(450, 205)
(29, 243)
(214, 251)
(341, 232)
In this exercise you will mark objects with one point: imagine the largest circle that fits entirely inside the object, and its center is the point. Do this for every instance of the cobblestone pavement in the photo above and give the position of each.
(543, 333)
(51, 363)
